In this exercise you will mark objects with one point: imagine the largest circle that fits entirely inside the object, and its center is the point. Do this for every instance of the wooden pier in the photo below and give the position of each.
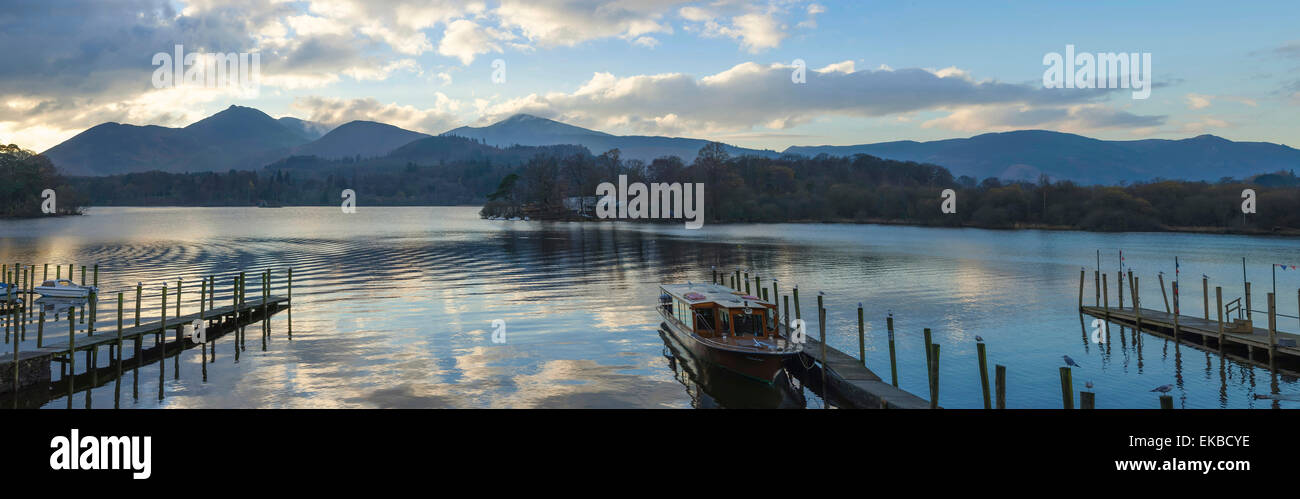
(853, 385)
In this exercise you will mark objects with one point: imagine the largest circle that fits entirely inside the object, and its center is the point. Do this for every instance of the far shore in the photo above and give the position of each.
(1283, 231)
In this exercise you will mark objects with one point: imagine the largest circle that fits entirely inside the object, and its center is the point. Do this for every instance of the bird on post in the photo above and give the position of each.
(1163, 388)
(1070, 362)
(979, 339)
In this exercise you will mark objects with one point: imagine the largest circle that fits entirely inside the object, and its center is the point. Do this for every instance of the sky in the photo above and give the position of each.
(874, 70)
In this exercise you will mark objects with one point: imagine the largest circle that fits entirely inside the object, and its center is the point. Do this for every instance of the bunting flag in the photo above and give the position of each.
(1284, 266)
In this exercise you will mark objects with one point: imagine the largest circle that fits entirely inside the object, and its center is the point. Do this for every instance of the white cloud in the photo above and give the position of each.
(465, 39)
(1198, 101)
(752, 95)
(552, 23)
(334, 111)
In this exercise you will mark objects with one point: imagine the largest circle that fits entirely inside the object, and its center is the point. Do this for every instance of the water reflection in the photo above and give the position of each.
(710, 386)
(393, 306)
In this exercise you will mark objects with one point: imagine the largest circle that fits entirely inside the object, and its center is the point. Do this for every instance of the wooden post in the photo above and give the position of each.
(746, 282)
(179, 283)
(72, 354)
(1205, 292)
(1000, 384)
(1081, 278)
(119, 336)
(821, 326)
(83, 275)
(96, 282)
(934, 376)
(1105, 296)
(984, 375)
(138, 289)
(1096, 287)
(1218, 300)
(1248, 307)
(40, 328)
(1067, 389)
(785, 298)
(862, 345)
(797, 315)
(928, 357)
(1087, 400)
(1272, 330)
(1137, 307)
(1119, 288)
(1163, 294)
(1166, 402)
(893, 362)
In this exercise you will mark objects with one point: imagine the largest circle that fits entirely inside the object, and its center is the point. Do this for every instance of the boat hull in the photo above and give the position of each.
(63, 292)
(762, 367)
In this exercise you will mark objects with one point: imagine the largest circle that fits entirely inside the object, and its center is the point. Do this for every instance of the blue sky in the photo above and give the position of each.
(877, 71)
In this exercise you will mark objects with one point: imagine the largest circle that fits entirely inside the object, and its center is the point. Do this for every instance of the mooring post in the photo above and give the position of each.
(934, 376)
(758, 283)
(40, 328)
(139, 288)
(1137, 307)
(45, 276)
(1067, 389)
(119, 335)
(821, 326)
(1000, 384)
(1119, 288)
(1166, 402)
(94, 309)
(179, 282)
(1081, 278)
(1272, 331)
(785, 298)
(862, 345)
(1205, 292)
(1163, 294)
(893, 361)
(929, 357)
(1096, 285)
(234, 306)
(162, 335)
(1218, 300)
(1249, 317)
(1105, 296)
(797, 314)
(243, 299)
(984, 375)
(96, 281)
(83, 275)
(72, 354)
(1087, 400)
(266, 308)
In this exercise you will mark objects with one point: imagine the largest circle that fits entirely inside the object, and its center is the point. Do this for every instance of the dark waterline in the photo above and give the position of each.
(394, 306)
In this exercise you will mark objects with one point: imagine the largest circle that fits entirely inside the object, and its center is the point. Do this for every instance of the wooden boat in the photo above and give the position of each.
(725, 327)
(64, 288)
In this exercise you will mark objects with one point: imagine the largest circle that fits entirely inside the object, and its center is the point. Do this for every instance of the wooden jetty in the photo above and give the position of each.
(1235, 337)
(853, 385)
(843, 380)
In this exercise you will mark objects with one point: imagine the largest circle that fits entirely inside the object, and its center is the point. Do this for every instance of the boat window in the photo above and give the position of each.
(703, 319)
(750, 324)
(725, 325)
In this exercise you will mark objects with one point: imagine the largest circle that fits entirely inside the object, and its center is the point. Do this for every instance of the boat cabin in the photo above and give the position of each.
(716, 311)
(59, 283)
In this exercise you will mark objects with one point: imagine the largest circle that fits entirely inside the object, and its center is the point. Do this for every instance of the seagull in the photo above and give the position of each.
(1088, 385)
(979, 338)
(1070, 362)
(1163, 388)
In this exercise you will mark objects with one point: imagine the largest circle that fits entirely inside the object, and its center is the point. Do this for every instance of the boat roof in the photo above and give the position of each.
(715, 293)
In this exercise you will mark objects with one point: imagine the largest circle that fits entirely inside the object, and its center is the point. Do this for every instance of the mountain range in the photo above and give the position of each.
(243, 138)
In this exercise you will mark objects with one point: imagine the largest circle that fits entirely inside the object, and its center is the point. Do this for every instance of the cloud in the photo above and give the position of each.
(334, 111)
(757, 29)
(1079, 118)
(1198, 101)
(751, 95)
(553, 23)
(464, 39)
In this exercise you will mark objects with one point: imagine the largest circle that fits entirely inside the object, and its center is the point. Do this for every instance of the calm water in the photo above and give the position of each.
(394, 306)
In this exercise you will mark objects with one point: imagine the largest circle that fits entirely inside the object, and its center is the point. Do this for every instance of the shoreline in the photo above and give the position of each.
(1283, 232)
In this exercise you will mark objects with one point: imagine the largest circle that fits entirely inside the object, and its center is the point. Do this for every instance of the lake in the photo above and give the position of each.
(395, 307)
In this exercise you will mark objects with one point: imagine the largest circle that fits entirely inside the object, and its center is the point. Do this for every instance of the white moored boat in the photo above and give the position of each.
(64, 288)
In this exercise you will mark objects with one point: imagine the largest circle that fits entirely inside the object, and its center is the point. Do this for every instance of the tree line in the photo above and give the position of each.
(24, 176)
(868, 189)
